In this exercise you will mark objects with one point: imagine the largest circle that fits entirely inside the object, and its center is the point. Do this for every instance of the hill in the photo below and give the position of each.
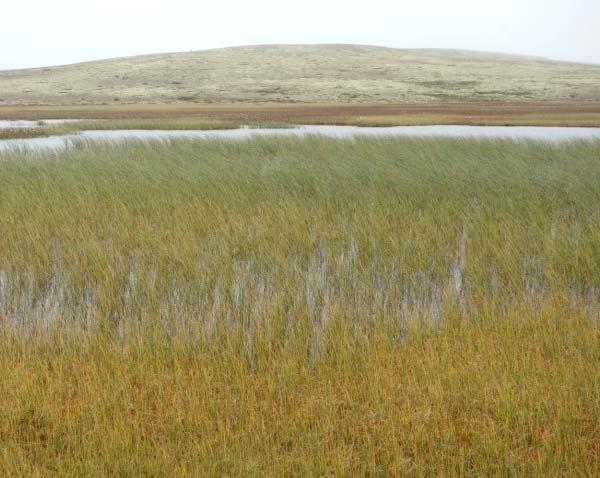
(304, 74)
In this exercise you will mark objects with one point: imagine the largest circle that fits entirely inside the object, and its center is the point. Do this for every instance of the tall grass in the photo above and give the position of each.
(301, 307)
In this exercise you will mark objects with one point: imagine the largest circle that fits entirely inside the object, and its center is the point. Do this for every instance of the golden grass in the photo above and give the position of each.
(301, 307)
(515, 394)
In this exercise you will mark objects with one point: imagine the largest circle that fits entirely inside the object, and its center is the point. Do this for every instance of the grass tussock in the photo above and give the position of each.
(301, 307)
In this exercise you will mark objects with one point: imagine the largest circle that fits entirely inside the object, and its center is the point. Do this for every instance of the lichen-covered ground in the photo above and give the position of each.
(317, 74)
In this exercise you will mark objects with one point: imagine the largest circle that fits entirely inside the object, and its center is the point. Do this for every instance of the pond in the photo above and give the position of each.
(548, 134)
(6, 124)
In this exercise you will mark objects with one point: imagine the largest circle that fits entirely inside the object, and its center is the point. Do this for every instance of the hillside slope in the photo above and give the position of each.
(310, 74)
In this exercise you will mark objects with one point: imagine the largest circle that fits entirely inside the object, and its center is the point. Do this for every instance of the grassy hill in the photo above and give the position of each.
(306, 74)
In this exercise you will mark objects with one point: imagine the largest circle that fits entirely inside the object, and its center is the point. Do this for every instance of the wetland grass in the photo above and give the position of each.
(301, 307)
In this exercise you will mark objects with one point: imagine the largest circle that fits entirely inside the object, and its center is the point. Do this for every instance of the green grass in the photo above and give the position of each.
(180, 124)
(36, 132)
(162, 124)
(301, 307)
(123, 124)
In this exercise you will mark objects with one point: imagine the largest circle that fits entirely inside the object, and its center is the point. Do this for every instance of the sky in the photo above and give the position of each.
(37, 33)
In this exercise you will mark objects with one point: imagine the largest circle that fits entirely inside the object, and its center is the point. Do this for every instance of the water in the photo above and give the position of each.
(5, 124)
(548, 134)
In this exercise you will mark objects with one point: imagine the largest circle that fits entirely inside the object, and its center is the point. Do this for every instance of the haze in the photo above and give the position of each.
(40, 33)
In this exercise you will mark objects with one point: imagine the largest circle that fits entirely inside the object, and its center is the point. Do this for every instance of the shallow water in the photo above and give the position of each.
(5, 124)
(548, 134)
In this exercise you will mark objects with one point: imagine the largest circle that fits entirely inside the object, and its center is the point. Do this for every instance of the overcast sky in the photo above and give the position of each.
(51, 32)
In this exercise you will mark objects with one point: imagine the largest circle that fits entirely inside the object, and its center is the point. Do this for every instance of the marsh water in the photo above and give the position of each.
(548, 134)
(5, 124)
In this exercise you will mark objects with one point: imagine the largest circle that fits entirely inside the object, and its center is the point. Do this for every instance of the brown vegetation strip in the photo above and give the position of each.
(293, 112)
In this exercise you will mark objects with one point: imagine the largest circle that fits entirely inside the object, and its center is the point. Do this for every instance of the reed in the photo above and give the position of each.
(286, 306)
